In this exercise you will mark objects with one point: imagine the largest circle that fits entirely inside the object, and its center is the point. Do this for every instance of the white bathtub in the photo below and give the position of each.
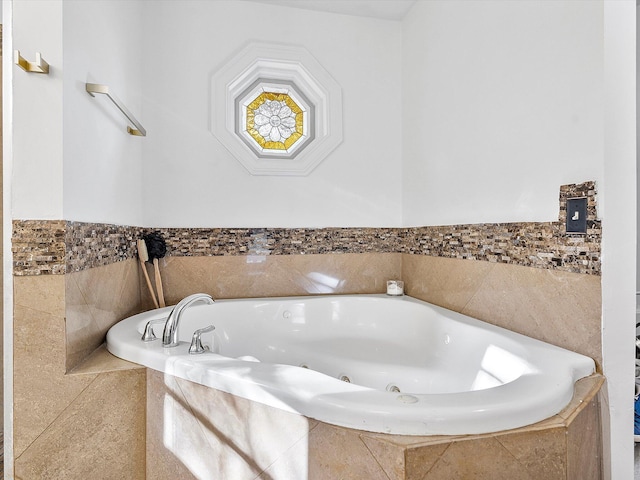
(455, 374)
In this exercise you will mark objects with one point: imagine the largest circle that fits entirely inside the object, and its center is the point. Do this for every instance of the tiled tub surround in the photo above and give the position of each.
(433, 261)
(557, 307)
(88, 424)
(222, 436)
(88, 421)
(52, 407)
(90, 313)
(77, 279)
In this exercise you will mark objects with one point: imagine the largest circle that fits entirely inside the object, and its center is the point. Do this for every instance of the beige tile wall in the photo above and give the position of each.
(557, 307)
(64, 421)
(195, 432)
(276, 275)
(72, 426)
(92, 425)
(96, 299)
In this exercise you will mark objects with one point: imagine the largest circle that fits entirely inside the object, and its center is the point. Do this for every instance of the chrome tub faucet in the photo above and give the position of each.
(170, 334)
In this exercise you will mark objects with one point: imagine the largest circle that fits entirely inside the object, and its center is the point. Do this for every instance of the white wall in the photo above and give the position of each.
(619, 228)
(37, 117)
(73, 159)
(638, 161)
(102, 162)
(502, 105)
(191, 180)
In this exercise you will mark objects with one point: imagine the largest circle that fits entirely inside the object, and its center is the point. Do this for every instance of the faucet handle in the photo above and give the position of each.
(196, 342)
(149, 335)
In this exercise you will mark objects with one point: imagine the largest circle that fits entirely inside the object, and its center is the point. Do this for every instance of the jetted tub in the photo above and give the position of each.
(384, 364)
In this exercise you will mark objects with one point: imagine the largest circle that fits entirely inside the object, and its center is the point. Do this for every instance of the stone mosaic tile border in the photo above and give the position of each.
(38, 247)
(531, 244)
(42, 247)
(540, 245)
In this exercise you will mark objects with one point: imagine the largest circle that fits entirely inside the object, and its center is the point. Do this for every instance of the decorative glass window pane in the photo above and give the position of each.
(275, 121)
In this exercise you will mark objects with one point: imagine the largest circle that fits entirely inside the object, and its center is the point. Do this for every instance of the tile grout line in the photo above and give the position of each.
(376, 458)
(438, 460)
(69, 405)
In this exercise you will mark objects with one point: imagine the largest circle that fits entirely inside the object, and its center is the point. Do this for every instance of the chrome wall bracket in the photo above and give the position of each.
(39, 66)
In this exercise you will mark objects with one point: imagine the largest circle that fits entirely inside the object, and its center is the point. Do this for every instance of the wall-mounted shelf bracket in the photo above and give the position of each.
(93, 88)
(39, 66)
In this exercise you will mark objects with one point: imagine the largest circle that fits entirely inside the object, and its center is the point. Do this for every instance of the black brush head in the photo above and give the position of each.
(156, 246)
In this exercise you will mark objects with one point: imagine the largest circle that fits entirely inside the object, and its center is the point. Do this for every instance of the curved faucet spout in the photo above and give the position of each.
(170, 334)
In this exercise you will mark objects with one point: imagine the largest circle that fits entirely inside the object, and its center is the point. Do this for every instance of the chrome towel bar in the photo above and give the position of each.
(93, 88)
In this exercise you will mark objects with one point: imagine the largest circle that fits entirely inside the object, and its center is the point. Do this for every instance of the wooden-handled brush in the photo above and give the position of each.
(156, 248)
(143, 256)
(159, 283)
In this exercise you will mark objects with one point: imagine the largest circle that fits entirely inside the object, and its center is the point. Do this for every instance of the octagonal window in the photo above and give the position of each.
(276, 109)
(274, 121)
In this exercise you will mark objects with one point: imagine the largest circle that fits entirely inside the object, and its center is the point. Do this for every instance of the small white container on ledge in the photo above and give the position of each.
(395, 288)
